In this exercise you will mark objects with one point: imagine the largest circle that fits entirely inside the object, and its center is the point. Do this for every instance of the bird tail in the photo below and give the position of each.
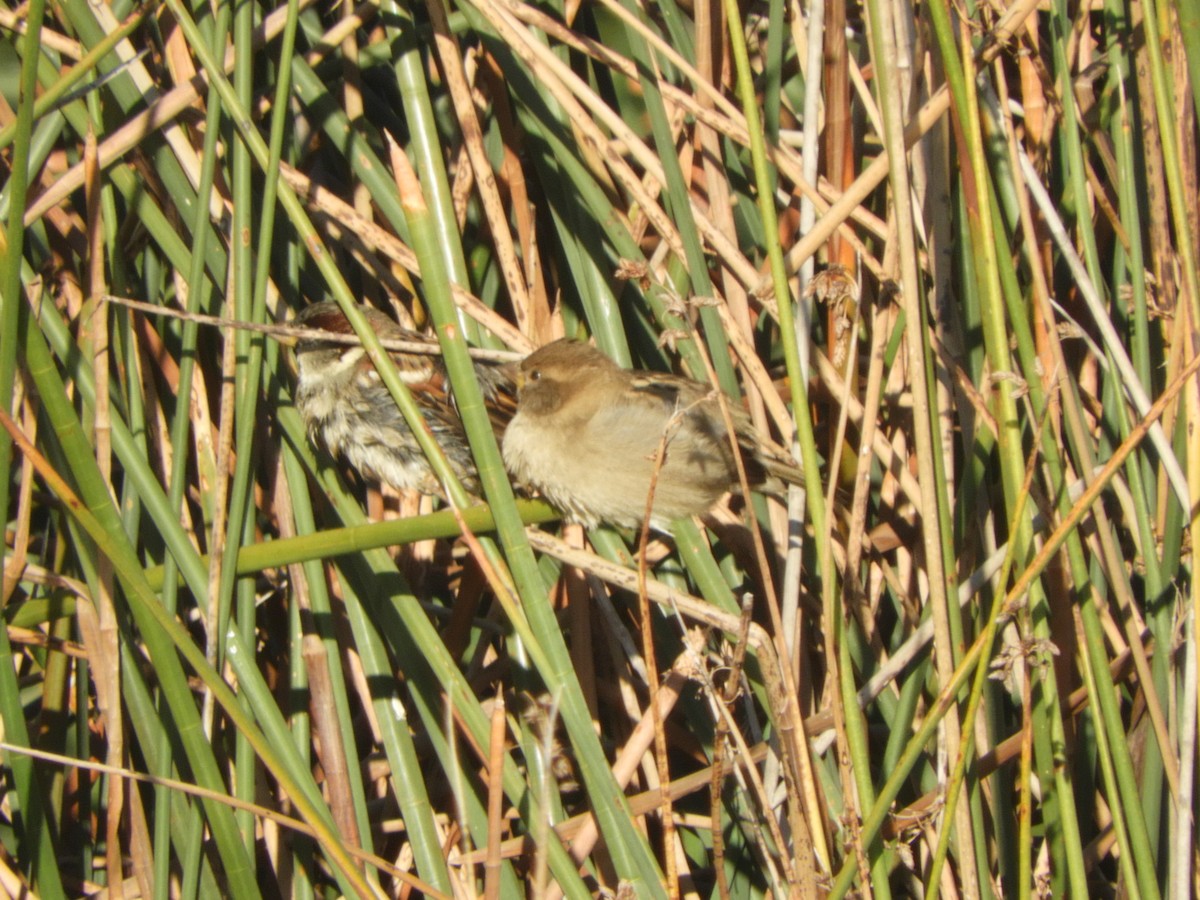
(783, 470)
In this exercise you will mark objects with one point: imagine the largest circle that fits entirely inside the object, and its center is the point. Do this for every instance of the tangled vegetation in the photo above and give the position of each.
(944, 254)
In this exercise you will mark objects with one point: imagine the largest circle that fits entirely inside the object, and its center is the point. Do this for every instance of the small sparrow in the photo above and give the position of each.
(349, 410)
(586, 433)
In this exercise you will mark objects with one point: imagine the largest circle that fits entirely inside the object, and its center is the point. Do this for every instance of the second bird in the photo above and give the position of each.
(349, 409)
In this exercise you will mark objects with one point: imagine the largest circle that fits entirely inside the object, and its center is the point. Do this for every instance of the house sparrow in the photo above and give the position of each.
(348, 408)
(586, 432)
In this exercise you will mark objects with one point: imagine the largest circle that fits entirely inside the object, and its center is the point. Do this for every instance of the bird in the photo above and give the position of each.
(586, 433)
(348, 409)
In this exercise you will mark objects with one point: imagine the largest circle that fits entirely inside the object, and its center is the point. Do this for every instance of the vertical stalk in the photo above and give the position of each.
(39, 848)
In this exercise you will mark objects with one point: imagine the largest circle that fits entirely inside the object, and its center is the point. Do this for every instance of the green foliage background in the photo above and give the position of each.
(963, 660)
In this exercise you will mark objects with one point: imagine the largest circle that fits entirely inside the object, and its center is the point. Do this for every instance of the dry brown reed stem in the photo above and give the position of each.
(163, 112)
(104, 659)
(650, 659)
(572, 93)
(219, 492)
(30, 638)
(843, 285)
(940, 603)
(695, 609)
(831, 380)
(720, 738)
(1091, 494)
(375, 237)
(703, 105)
(735, 305)
(543, 325)
(105, 638)
(582, 830)
(291, 333)
(485, 180)
(14, 21)
(873, 175)
(498, 581)
(795, 874)
(495, 800)
(640, 804)
(1103, 534)
(756, 375)
(690, 607)
(881, 326)
(331, 749)
(260, 812)
(1005, 751)
(799, 776)
(630, 756)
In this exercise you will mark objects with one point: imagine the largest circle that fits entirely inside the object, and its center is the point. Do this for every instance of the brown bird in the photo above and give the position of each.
(586, 433)
(349, 410)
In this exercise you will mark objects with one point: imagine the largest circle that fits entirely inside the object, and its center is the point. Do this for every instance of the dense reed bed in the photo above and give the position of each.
(945, 255)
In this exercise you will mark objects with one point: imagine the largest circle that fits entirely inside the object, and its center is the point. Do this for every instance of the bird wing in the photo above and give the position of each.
(702, 414)
(498, 384)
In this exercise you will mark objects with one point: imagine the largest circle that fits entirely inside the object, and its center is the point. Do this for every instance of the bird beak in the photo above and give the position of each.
(288, 340)
(519, 378)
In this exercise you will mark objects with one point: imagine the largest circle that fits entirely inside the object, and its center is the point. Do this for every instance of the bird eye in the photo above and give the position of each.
(535, 374)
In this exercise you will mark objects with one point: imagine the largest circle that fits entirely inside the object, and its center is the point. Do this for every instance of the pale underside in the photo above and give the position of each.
(600, 468)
